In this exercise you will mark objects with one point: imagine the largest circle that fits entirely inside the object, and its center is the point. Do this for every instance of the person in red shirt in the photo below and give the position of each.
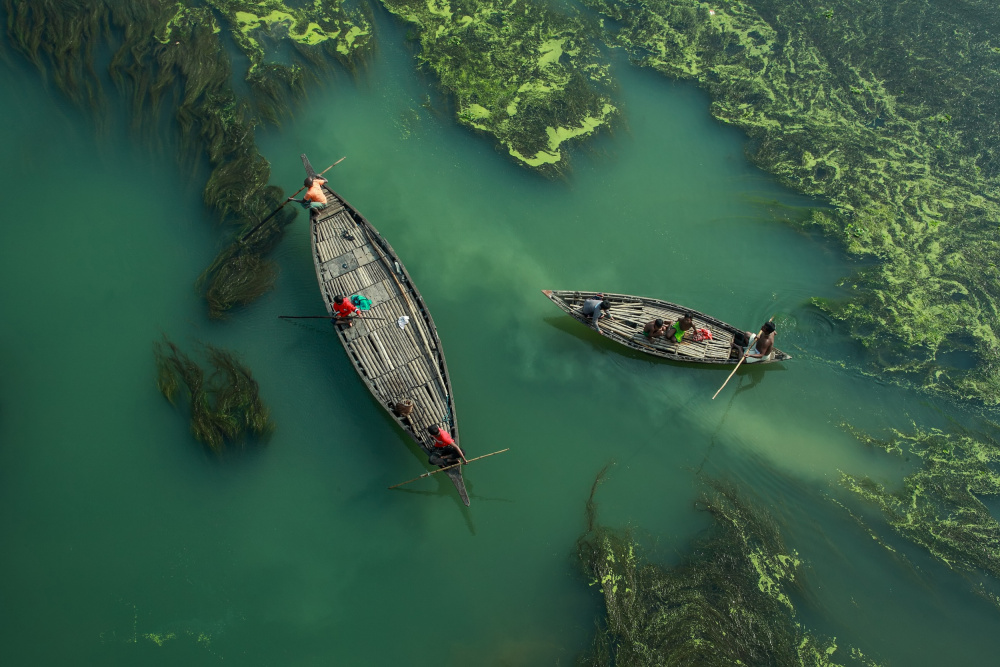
(343, 308)
(314, 199)
(446, 450)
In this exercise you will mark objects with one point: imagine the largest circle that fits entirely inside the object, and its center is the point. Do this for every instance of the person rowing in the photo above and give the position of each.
(314, 200)
(446, 450)
(763, 345)
(344, 309)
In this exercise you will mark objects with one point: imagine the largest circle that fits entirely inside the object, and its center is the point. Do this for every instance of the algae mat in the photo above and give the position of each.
(893, 126)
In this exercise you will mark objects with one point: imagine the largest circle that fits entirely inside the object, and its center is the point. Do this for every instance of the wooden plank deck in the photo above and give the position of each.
(396, 364)
(631, 314)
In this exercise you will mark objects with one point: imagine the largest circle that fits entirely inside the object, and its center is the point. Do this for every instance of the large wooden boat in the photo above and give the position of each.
(631, 313)
(402, 366)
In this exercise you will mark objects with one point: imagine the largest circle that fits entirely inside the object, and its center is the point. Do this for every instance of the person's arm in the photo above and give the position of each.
(460, 452)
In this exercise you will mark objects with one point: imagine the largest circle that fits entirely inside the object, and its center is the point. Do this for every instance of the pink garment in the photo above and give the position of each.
(702, 334)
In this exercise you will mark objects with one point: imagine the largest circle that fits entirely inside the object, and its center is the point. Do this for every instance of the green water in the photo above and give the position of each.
(119, 531)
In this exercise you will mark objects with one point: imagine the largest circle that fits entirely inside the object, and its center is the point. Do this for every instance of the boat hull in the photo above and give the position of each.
(400, 365)
(631, 313)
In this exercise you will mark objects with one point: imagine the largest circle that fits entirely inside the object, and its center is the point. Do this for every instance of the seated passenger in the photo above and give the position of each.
(655, 329)
(678, 329)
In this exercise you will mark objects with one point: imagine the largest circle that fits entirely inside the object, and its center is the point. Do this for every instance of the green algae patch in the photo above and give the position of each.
(893, 127)
(518, 70)
(940, 506)
(159, 639)
(340, 33)
(226, 406)
(726, 602)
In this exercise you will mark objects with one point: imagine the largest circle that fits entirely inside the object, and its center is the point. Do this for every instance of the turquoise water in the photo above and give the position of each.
(126, 544)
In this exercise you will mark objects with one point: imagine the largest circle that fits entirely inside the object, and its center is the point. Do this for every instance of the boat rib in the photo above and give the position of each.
(397, 364)
(631, 313)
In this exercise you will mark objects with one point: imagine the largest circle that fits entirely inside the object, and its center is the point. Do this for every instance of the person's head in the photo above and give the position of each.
(605, 305)
(433, 430)
(688, 316)
(658, 323)
(338, 299)
(767, 328)
(308, 182)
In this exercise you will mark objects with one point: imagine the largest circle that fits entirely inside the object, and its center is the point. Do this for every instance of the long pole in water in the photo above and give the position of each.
(326, 317)
(434, 472)
(275, 212)
(745, 353)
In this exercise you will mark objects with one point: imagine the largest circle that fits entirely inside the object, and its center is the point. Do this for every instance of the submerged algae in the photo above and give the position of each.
(226, 405)
(174, 51)
(939, 506)
(530, 76)
(724, 604)
(893, 126)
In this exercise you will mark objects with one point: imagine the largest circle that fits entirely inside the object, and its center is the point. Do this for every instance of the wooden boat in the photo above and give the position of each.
(404, 368)
(631, 313)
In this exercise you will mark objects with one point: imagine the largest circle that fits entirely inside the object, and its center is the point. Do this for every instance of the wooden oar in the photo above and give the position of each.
(275, 212)
(325, 317)
(434, 472)
(745, 353)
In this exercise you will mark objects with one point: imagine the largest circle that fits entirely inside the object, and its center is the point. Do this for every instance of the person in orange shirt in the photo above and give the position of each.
(314, 199)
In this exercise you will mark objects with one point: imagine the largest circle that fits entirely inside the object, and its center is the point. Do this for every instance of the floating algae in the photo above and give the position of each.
(724, 604)
(530, 76)
(225, 406)
(173, 52)
(315, 32)
(895, 126)
(939, 506)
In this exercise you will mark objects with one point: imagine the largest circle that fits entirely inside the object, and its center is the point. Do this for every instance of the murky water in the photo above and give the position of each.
(124, 543)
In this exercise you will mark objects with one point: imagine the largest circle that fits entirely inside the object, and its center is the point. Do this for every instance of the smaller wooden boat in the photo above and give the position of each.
(631, 313)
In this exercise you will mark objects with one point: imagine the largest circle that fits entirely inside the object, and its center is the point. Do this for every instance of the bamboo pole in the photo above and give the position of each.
(327, 317)
(745, 353)
(434, 472)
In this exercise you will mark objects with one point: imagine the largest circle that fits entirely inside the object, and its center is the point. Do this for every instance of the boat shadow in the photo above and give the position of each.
(606, 345)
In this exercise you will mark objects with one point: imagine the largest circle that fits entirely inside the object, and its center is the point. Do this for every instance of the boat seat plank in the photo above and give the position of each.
(338, 266)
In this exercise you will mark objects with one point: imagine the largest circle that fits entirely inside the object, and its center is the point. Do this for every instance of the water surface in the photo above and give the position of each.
(121, 531)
